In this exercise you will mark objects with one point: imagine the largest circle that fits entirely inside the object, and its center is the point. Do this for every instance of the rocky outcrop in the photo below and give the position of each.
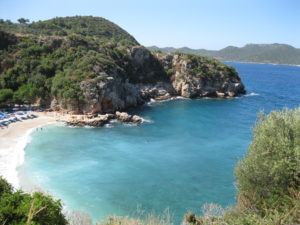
(126, 118)
(100, 68)
(101, 119)
(157, 76)
(194, 77)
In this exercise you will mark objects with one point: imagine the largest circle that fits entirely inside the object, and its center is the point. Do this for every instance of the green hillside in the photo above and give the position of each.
(50, 58)
(260, 53)
(65, 26)
(89, 64)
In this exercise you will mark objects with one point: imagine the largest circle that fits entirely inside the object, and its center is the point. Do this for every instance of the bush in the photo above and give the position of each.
(20, 208)
(6, 96)
(271, 166)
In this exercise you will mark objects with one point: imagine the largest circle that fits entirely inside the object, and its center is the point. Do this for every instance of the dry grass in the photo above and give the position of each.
(149, 219)
(78, 218)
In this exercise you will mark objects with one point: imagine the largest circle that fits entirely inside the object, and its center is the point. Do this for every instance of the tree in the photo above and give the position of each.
(26, 93)
(271, 168)
(17, 207)
(6, 96)
(23, 21)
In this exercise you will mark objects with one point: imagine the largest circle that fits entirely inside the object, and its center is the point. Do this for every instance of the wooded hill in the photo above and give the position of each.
(260, 53)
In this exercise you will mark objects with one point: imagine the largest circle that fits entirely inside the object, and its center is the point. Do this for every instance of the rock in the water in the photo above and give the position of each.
(126, 118)
(89, 120)
(137, 119)
(123, 117)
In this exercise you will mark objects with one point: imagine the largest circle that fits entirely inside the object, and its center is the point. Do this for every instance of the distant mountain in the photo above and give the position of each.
(260, 53)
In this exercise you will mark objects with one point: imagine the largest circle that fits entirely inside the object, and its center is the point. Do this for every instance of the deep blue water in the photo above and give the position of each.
(182, 159)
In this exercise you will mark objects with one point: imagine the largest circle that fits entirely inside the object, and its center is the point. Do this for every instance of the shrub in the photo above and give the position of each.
(20, 208)
(5, 96)
(271, 166)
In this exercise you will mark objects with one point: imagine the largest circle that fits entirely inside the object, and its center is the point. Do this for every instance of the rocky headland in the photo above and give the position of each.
(90, 66)
(181, 75)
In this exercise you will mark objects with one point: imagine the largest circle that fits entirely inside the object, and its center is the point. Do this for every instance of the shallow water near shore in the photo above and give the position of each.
(183, 157)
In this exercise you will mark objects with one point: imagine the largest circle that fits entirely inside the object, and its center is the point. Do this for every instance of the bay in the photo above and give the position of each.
(181, 158)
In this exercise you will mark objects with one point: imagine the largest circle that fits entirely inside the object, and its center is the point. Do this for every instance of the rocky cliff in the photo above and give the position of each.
(90, 65)
(183, 75)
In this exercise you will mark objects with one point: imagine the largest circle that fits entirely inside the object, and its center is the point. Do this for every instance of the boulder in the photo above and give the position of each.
(126, 118)
(136, 119)
(123, 117)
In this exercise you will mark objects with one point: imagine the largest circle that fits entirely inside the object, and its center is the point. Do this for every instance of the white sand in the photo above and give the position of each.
(13, 140)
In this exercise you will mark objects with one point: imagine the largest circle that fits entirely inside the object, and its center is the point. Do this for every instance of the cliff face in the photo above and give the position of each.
(179, 75)
(90, 65)
(194, 77)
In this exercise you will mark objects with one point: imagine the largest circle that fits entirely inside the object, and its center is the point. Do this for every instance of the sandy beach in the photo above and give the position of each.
(13, 140)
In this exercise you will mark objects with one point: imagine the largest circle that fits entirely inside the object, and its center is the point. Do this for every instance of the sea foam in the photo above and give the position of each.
(13, 157)
(153, 101)
(252, 94)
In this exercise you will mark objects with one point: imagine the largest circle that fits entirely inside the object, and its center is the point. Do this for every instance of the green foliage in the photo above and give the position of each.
(23, 21)
(271, 166)
(26, 93)
(35, 67)
(66, 26)
(6, 40)
(65, 88)
(170, 72)
(53, 58)
(205, 67)
(5, 187)
(36, 209)
(6, 96)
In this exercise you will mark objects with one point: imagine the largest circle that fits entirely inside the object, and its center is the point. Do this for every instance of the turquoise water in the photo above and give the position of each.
(182, 158)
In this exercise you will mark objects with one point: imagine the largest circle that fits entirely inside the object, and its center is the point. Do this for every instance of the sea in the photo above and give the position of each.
(182, 157)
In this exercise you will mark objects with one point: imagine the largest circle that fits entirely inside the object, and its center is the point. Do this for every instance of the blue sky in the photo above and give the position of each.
(210, 24)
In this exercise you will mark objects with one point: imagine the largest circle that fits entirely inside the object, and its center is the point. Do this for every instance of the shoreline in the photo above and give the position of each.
(15, 137)
(13, 140)
(274, 64)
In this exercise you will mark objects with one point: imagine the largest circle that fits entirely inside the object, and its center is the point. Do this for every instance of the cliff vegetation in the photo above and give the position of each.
(88, 64)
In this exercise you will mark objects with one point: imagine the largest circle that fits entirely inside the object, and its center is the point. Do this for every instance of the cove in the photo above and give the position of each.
(183, 157)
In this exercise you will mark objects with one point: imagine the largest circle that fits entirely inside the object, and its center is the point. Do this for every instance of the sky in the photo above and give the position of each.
(209, 24)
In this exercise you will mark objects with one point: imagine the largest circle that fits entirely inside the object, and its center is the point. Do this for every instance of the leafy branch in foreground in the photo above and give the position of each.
(17, 207)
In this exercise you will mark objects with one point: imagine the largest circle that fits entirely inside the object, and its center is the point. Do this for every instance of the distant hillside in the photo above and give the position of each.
(261, 53)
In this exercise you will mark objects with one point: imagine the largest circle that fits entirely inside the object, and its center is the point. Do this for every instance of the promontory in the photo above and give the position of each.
(86, 64)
